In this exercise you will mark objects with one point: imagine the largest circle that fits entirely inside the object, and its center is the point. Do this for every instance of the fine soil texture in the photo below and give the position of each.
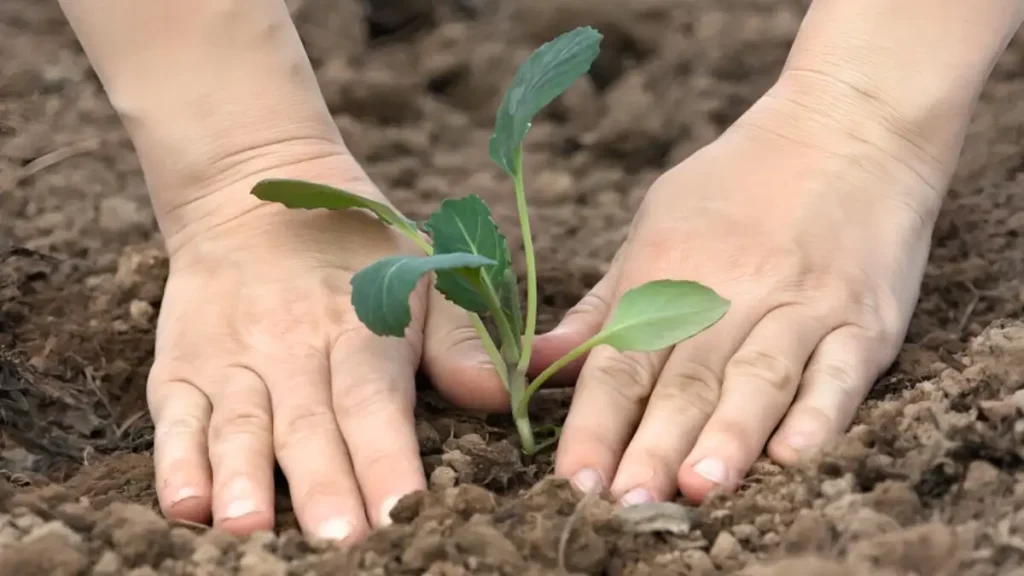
(928, 481)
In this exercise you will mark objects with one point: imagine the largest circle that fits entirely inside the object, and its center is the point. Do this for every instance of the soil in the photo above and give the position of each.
(929, 480)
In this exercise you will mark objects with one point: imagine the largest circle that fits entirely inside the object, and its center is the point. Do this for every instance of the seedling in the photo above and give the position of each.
(470, 260)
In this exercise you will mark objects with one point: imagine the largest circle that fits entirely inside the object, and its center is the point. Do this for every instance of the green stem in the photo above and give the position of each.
(531, 268)
(490, 348)
(525, 430)
(417, 239)
(508, 335)
(555, 435)
(421, 242)
(551, 370)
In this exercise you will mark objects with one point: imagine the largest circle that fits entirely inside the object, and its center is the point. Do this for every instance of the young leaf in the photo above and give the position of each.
(309, 195)
(548, 72)
(649, 317)
(659, 314)
(380, 292)
(465, 225)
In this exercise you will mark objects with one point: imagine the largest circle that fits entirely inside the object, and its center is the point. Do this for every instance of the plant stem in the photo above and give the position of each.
(490, 348)
(421, 242)
(531, 269)
(551, 370)
(525, 430)
(555, 435)
(508, 336)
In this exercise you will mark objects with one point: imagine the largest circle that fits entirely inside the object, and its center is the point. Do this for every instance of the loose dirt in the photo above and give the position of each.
(929, 481)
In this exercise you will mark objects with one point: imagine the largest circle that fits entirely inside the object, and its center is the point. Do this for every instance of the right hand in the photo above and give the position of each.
(259, 355)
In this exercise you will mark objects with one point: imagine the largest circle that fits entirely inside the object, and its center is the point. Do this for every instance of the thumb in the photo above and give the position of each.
(581, 322)
(456, 361)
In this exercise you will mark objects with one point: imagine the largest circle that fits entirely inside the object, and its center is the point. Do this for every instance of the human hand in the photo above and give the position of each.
(815, 223)
(259, 355)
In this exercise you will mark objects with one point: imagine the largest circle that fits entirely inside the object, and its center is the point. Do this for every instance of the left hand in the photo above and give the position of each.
(817, 229)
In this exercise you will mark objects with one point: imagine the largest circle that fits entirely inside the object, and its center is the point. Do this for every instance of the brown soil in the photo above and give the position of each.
(930, 480)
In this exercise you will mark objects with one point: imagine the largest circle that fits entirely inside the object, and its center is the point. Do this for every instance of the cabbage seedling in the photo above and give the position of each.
(470, 260)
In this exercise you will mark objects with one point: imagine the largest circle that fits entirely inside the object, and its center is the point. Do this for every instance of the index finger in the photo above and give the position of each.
(311, 451)
(373, 389)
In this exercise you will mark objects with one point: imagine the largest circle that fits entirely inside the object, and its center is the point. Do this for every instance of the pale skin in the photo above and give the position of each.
(820, 241)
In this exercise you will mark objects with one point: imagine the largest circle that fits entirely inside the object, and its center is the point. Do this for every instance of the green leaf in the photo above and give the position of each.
(309, 195)
(465, 225)
(380, 292)
(660, 314)
(545, 75)
(457, 288)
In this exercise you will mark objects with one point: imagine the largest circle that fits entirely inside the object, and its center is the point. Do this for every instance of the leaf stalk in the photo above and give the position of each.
(552, 369)
(530, 328)
(508, 336)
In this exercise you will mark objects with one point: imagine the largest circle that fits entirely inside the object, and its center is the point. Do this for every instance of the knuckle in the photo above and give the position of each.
(692, 385)
(592, 303)
(371, 395)
(454, 341)
(180, 425)
(629, 374)
(378, 461)
(885, 325)
(301, 426)
(835, 372)
(240, 421)
(762, 367)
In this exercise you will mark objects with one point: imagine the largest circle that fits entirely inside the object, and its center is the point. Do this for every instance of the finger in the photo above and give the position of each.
(610, 397)
(837, 379)
(181, 417)
(310, 448)
(455, 360)
(759, 384)
(374, 396)
(241, 454)
(582, 321)
(684, 397)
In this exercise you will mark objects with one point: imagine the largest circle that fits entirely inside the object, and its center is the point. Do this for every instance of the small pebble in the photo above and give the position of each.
(745, 532)
(657, 517)
(53, 528)
(443, 477)
(109, 564)
(262, 563)
(26, 522)
(725, 548)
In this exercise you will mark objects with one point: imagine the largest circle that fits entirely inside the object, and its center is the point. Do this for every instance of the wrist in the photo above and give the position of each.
(836, 121)
(908, 71)
(223, 216)
(211, 94)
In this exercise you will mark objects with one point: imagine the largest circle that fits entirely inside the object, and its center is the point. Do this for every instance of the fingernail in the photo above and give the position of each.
(636, 496)
(184, 494)
(385, 510)
(712, 469)
(798, 442)
(589, 481)
(335, 529)
(239, 508)
(238, 494)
